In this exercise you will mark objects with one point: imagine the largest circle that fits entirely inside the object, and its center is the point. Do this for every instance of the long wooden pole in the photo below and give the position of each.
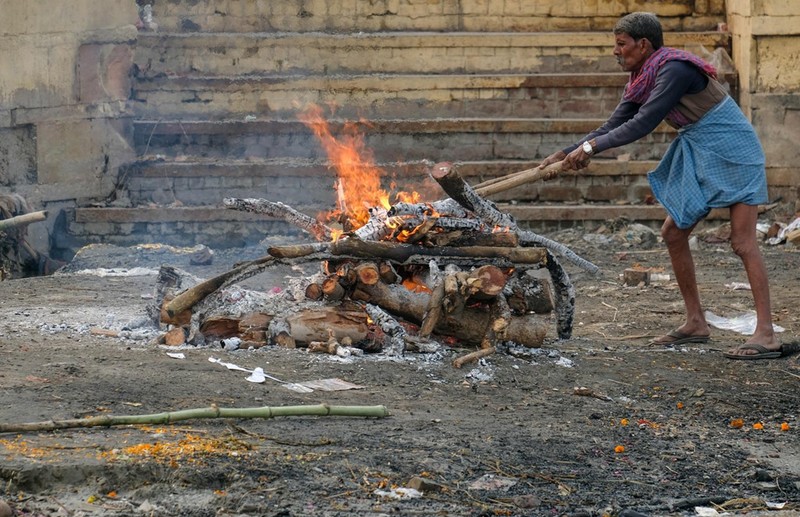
(516, 179)
(21, 220)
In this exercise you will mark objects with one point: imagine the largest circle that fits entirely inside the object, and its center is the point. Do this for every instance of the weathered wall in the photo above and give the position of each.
(427, 15)
(64, 83)
(766, 51)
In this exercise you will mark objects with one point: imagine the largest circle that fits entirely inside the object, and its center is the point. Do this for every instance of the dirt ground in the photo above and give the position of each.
(508, 436)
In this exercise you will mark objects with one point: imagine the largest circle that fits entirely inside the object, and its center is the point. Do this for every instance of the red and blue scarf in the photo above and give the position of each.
(642, 82)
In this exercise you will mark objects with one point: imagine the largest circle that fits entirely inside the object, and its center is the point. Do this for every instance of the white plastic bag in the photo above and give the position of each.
(743, 323)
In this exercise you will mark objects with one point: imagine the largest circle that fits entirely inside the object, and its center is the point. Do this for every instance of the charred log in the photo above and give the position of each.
(565, 297)
(281, 211)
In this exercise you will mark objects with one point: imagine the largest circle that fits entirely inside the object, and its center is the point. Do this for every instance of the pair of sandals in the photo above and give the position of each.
(676, 337)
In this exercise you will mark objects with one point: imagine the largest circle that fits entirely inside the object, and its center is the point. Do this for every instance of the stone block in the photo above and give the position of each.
(18, 156)
(82, 156)
(611, 193)
(559, 193)
(57, 16)
(104, 72)
(778, 64)
(37, 70)
(777, 122)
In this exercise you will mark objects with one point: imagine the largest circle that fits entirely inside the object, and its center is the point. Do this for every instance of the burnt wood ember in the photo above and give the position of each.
(281, 211)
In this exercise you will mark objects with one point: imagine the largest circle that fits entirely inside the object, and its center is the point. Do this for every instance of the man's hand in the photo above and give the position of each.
(576, 160)
(553, 158)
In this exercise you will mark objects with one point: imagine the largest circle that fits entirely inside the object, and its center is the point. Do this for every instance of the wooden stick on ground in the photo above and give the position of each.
(458, 362)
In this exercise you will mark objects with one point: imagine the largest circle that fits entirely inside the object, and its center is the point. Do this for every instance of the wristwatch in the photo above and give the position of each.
(587, 148)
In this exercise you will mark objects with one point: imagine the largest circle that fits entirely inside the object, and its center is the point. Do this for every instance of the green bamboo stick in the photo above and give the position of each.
(189, 414)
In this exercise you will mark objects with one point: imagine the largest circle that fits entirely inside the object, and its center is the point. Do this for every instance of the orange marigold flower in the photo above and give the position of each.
(737, 423)
(623, 422)
(679, 405)
(619, 449)
(784, 426)
(758, 425)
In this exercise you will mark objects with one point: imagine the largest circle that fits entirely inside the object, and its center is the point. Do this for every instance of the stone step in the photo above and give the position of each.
(382, 96)
(469, 15)
(310, 183)
(234, 54)
(222, 228)
(398, 140)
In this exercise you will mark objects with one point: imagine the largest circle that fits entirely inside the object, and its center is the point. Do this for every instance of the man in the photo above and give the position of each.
(716, 161)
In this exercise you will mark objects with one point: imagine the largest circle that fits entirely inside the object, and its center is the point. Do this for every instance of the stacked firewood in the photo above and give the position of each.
(413, 277)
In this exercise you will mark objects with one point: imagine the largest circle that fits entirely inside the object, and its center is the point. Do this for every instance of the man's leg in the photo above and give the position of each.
(744, 244)
(677, 241)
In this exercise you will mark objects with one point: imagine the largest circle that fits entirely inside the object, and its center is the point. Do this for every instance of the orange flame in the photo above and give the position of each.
(358, 184)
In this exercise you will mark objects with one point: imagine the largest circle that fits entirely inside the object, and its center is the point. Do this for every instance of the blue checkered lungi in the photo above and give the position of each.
(713, 163)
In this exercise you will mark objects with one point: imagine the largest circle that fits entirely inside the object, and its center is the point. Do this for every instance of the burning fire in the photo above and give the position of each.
(358, 184)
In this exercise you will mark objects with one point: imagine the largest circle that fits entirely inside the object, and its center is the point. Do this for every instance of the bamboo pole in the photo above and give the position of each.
(198, 413)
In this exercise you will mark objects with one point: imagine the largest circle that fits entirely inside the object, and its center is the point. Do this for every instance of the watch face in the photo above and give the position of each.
(587, 148)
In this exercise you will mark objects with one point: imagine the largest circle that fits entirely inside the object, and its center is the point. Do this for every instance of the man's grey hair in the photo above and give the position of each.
(641, 25)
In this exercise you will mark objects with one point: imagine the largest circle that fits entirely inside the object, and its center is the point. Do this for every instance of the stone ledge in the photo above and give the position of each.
(522, 213)
(385, 126)
(415, 39)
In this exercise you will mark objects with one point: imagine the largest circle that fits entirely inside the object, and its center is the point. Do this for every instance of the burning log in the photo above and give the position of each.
(191, 297)
(527, 329)
(459, 190)
(530, 291)
(485, 283)
(332, 289)
(444, 207)
(281, 211)
(459, 239)
(433, 311)
(388, 273)
(315, 324)
(398, 252)
(396, 344)
(368, 273)
(453, 302)
(314, 292)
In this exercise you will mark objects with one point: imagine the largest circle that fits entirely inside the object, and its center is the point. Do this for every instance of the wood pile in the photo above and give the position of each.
(414, 277)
